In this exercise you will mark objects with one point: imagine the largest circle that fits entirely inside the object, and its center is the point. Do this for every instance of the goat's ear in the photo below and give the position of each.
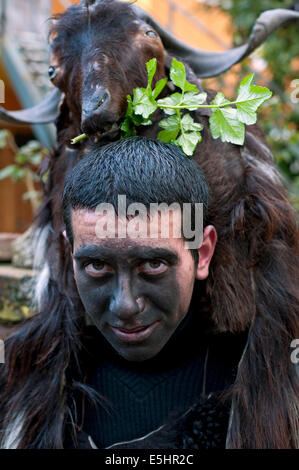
(43, 113)
(209, 64)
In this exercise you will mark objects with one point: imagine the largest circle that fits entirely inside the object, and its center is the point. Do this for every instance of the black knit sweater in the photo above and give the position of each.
(139, 397)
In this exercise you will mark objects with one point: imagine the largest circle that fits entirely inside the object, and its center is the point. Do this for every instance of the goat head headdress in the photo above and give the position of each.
(204, 63)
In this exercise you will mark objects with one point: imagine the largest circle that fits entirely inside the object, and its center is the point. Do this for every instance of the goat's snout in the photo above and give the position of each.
(94, 105)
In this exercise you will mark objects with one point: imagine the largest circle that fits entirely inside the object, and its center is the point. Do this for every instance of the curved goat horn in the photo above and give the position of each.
(44, 112)
(209, 64)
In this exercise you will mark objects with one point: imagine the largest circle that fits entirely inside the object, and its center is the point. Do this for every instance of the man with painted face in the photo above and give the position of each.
(154, 368)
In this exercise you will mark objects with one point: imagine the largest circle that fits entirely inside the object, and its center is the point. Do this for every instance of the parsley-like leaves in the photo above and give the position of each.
(227, 120)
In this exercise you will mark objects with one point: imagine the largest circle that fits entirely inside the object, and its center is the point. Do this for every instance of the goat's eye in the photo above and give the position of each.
(52, 71)
(151, 34)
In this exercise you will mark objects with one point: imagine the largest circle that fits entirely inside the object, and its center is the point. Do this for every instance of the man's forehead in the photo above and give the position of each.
(111, 230)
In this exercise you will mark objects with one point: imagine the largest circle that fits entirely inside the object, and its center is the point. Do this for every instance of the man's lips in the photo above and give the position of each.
(134, 335)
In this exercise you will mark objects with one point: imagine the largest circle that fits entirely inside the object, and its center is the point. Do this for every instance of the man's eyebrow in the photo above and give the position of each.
(146, 252)
(92, 251)
(134, 252)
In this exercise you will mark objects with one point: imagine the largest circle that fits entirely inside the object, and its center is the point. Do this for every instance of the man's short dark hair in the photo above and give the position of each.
(145, 170)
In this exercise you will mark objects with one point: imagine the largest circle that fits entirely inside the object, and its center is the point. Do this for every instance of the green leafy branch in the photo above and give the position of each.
(227, 120)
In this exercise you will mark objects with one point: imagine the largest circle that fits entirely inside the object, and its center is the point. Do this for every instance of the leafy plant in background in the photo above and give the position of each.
(27, 160)
(280, 116)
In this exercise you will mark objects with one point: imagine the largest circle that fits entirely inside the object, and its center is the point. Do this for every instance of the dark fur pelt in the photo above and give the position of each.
(203, 426)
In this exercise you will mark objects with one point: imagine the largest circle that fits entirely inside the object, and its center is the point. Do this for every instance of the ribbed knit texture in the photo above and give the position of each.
(140, 397)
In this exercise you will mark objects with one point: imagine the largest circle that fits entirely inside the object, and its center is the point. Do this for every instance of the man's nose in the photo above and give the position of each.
(124, 303)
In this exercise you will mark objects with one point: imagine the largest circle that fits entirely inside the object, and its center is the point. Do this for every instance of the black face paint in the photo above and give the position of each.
(133, 296)
(136, 291)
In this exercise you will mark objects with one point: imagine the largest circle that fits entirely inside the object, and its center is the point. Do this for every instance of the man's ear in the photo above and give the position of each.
(205, 252)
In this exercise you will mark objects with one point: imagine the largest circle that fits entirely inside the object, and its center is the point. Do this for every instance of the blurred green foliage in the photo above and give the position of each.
(280, 115)
(27, 160)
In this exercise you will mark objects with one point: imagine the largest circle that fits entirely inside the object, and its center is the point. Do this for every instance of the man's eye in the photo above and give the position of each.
(153, 267)
(98, 268)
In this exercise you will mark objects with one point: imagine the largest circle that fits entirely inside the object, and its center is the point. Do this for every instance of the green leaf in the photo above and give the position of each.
(128, 128)
(192, 100)
(29, 148)
(32, 195)
(249, 98)
(220, 99)
(130, 118)
(224, 123)
(36, 158)
(178, 76)
(188, 142)
(147, 122)
(159, 87)
(8, 172)
(19, 173)
(21, 158)
(4, 135)
(129, 111)
(13, 172)
(151, 67)
(171, 126)
(189, 124)
(172, 100)
(139, 120)
(45, 176)
(143, 104)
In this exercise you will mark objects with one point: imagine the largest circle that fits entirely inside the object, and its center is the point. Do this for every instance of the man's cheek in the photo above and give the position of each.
(165, 295)
(87, 293)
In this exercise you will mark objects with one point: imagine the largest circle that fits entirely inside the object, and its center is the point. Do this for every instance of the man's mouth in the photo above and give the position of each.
(134, 335)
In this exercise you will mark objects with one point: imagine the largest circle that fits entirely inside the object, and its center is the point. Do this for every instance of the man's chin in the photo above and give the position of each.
(136, 347)
(136, 356)
(137, 352)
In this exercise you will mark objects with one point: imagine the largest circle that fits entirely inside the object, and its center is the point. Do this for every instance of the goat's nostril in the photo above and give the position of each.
(93, 105)
(102, 101)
